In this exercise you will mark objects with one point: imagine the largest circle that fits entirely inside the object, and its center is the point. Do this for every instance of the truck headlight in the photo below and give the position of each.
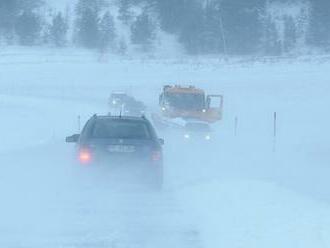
(187, 136)
(207, 137)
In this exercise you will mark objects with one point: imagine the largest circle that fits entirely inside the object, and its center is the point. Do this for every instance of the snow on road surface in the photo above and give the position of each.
(51, 205)
(256, 214)
(48, 201)
(233, 191)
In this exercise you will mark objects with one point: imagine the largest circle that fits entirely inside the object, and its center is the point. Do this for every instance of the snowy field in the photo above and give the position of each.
(233, 192)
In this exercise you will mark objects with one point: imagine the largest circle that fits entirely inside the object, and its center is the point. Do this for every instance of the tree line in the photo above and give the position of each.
(233, 27)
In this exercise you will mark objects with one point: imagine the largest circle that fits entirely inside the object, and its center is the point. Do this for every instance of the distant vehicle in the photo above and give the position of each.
(117, 99)
(134, 107)
(184, 104)
(197, 131)
(190, 103)
(126, 105)
(121, 141)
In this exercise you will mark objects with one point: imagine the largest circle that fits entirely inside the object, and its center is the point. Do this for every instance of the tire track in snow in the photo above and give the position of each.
(52, 203)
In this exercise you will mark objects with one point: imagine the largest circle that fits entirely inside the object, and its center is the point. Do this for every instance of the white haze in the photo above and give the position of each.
(234, 192)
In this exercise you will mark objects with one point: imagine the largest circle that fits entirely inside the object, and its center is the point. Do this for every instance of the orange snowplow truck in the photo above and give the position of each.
(190, 103)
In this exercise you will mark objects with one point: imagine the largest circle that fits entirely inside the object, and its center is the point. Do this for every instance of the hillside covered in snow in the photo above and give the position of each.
(170, 28)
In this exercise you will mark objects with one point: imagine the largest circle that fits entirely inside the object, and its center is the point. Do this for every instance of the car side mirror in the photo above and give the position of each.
(72, 139)
(161, 141)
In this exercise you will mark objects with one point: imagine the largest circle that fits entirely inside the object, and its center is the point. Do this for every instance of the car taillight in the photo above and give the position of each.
(85, 156)
(156, 156)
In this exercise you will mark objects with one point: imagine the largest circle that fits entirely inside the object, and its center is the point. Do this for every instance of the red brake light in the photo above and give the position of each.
(156, 156)
(85, 156)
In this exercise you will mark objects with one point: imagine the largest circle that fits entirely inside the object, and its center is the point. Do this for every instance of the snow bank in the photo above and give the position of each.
(255, 214)
(32, 121)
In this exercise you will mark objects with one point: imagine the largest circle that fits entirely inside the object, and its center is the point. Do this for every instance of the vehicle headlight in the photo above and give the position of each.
(204, 110)
(163, 108)
(114, 102)
(207, 137)
(187, 136)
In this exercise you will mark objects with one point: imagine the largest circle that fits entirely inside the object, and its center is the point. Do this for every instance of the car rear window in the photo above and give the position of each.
(120, 129)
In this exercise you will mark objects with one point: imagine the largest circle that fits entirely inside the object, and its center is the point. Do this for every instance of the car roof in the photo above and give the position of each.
(142, 120)
(112, 117)
(200, 124)
(118, 93)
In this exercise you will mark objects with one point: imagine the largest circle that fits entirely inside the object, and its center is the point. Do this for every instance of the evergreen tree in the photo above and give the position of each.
(28, 28)
(201, 26)
(58, 31)
(172, 14)
(95, 6)
(290, 35)
(191, 33)
(87, 22)
(107, 32)
(319, 35)
(125, 12)
(143, 31)
(27, 5)
(9, 10)
(122, 48)
(213, 33)
(270, 42)
(88, 34)
(243, 25)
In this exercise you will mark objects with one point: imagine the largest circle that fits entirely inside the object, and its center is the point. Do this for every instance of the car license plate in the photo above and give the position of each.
(121, 149)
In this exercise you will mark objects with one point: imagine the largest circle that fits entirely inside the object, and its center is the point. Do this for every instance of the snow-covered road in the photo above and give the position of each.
(234, 192)
(47, 201)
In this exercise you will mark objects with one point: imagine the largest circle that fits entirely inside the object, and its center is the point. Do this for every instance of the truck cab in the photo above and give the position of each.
(190, 103)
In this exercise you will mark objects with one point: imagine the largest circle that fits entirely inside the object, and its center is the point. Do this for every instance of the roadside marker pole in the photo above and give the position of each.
(236, 126)
(79, 123)
(275, 132)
